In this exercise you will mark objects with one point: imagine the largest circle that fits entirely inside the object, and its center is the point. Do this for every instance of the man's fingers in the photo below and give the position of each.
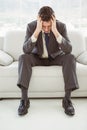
(53, 17)
(39, 18)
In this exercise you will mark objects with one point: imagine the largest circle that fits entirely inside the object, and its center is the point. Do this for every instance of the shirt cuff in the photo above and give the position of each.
(33, 39)
(59, 39)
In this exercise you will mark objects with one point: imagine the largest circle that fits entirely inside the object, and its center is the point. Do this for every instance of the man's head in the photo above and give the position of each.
(46, 13)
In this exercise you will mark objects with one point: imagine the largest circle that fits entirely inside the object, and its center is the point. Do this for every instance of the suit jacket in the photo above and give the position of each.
(54, 47)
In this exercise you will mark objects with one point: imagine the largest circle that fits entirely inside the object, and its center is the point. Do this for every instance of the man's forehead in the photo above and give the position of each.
(46, 23)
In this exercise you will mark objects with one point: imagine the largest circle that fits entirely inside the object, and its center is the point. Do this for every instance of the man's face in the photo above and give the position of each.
(46, 26)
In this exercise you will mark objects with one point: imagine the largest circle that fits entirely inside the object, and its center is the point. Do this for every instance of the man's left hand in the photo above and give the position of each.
(53, 20)
(53, 28)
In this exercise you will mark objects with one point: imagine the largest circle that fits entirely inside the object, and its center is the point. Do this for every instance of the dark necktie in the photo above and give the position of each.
(47, 39)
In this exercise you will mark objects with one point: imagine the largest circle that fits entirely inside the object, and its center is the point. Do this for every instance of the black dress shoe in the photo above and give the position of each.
(23, 107)
(67, 105)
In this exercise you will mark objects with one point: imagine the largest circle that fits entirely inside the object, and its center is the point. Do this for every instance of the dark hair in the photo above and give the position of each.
(46, 13)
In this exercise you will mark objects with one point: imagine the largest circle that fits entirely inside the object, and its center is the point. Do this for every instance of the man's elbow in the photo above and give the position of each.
(69, 50)
(24, 49)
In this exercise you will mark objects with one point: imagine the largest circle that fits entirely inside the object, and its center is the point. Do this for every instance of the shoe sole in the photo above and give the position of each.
(70, 114)
(21, 114)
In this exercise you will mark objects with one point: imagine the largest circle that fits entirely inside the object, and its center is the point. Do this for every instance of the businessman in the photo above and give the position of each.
(46, 43)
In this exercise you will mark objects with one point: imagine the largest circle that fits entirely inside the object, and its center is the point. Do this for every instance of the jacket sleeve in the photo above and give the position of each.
(28, 44)
(65, 44)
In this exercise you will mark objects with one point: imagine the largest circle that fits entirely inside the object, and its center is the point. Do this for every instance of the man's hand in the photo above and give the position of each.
(53, 20)
(38, 28)
(39, 24)
(53, 28)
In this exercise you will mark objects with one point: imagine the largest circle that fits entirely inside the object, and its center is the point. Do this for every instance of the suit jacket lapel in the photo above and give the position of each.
(52, 46)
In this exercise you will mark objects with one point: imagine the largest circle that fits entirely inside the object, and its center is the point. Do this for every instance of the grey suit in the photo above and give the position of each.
(59, 54)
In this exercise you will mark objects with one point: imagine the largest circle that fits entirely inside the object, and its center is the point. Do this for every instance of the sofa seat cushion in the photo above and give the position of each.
(10, 70)
(81, 70)
(44, 79)
(41, 71)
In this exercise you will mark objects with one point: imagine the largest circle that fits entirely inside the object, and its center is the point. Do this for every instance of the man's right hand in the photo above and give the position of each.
(38, 28)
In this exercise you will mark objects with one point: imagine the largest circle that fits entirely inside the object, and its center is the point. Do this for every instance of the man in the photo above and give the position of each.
(46, 43)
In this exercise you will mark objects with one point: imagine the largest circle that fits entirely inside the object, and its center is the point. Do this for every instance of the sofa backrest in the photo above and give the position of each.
(13, 43)
(77, 41)
(1, 42)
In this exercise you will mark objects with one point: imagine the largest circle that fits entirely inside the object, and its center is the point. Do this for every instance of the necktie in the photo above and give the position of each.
(47, 39)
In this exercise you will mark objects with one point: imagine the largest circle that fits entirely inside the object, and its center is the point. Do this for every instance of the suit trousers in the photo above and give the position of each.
(68, 63)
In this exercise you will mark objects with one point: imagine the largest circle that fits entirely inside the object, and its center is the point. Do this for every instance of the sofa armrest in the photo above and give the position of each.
(5, 59)
(82, 58)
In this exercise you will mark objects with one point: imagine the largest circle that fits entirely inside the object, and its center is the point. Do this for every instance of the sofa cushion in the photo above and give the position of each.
(5, 59)
(40, 71)
(13, 43)
(10, 70)
(44, 79)
(77, 42)
(82, 58)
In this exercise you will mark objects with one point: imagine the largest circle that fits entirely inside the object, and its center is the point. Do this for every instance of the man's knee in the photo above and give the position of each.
(24, 57)
(27, 59)
(70, 58)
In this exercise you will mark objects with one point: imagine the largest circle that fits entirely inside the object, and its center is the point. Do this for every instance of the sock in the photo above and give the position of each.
(68, 94)
(24, 93)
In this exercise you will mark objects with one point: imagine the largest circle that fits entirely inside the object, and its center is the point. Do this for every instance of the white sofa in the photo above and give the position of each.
(45, 81)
